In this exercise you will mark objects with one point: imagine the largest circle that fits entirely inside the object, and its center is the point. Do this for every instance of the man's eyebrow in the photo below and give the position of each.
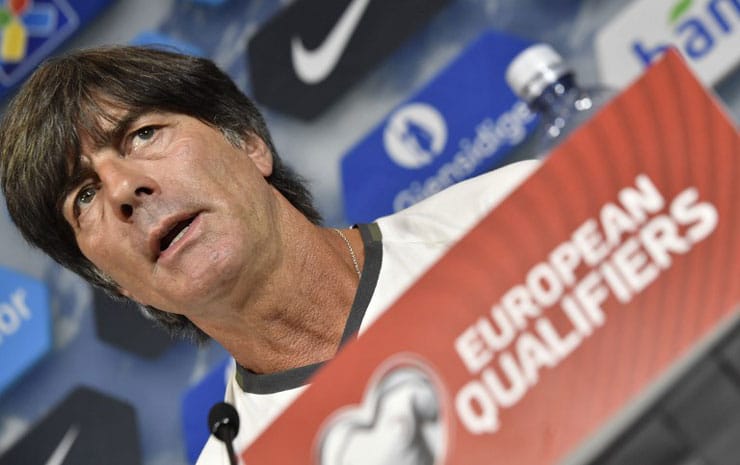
(115, 134)
(122, 126)
(82, 172)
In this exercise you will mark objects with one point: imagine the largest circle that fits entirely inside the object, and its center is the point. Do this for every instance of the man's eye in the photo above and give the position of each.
(145, 133)
(85, 196)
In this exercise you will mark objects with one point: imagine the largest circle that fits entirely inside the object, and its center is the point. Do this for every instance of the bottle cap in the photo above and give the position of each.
(534, 69)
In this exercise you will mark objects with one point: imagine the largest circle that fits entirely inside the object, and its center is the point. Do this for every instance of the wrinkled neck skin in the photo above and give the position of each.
(295, 314)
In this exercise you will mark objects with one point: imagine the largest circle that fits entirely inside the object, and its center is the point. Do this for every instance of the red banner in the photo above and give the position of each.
(564, 304)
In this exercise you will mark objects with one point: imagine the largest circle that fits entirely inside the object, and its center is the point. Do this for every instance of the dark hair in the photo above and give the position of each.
(65, 98)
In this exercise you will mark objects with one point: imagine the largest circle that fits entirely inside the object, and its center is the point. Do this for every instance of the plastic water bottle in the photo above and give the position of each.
(540, 77)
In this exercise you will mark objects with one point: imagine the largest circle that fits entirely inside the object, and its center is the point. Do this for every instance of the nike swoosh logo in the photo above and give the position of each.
(313, 66)
(65, 445)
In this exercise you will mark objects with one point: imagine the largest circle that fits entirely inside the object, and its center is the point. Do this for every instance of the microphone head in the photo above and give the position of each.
(223, 421)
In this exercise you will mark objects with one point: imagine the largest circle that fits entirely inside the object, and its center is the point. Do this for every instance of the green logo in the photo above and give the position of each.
(678, 10)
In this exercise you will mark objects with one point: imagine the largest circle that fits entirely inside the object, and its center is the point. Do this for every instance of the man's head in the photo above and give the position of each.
(89, 101)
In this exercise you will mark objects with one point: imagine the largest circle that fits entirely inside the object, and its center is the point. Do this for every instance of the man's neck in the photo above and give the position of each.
(298, 315)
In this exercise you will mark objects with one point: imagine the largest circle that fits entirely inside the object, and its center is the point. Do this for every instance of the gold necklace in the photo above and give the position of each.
(351, 252)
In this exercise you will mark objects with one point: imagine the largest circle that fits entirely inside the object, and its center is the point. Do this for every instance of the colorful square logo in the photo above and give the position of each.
(29, 31)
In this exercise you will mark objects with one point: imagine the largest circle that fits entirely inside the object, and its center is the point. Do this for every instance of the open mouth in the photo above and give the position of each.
(175, 234)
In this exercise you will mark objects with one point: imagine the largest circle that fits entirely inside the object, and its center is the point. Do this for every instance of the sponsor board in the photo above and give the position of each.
(120, 323)
(25, 324)
(461, 124)
(167, 42)
(86, 428)
(196, 404)
(310, 53)
(705, 32)
(576, 294)
(30, 30)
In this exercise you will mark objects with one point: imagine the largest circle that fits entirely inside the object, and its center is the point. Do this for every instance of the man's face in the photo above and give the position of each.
(179, 217)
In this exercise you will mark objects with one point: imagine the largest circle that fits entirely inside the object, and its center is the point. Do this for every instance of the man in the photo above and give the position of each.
(151, 175)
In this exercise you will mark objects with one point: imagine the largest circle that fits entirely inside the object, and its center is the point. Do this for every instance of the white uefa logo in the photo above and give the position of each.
(402, 419)
(415, 135)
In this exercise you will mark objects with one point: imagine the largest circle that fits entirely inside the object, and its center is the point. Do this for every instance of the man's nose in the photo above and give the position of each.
(125, 185)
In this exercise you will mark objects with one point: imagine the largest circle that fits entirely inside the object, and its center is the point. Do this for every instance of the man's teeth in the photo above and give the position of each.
(179, 235)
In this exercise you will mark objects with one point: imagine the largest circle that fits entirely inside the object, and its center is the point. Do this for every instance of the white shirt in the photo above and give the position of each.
(399, 248)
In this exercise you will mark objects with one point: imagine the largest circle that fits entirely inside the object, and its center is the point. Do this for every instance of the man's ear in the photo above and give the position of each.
(260, 154)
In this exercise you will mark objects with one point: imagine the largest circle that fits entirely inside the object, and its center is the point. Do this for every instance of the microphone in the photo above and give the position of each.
(223, 422)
